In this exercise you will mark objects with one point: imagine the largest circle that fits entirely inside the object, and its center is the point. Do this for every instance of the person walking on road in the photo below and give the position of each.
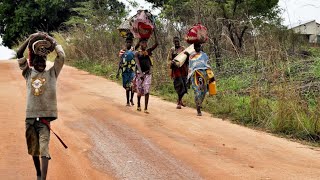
(197, 74)
(41, 98)
(144, 73)
(127, 65)
(178, 74)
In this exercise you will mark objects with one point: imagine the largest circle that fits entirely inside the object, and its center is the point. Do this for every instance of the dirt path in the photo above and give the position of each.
(110, 141)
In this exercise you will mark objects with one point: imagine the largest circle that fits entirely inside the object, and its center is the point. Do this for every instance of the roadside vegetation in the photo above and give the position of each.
(267, 76)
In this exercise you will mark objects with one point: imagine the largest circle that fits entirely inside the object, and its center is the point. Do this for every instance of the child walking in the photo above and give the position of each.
(41, 99)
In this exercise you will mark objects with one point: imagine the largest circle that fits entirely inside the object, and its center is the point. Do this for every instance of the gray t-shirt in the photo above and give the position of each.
(41, 87)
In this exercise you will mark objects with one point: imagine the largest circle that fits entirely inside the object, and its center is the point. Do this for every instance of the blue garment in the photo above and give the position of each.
(199, 82)
(198, 61)
(128, 61)
(198, 64)
(128, 68)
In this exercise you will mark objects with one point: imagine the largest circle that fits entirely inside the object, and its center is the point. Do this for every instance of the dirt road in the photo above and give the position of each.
(110, 141)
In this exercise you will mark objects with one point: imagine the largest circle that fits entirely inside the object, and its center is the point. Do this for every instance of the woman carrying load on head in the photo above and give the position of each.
(197, 74)
(144, 74)
(127, 65)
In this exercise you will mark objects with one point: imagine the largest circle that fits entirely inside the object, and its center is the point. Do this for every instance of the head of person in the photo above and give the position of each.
(39, 63)
(197, 47)
(129, 41)
(176, 41)
(143, 44)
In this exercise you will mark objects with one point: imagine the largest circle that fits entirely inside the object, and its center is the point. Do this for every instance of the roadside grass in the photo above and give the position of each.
(281, 97)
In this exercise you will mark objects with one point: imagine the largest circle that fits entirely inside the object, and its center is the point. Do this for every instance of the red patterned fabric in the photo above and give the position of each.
(197, 34)
(30, 58)
(142, 24)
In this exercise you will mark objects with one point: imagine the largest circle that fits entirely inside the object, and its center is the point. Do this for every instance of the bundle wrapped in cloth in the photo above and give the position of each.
(124, 28)
(142, 24)
(197, 34)
(39, 46)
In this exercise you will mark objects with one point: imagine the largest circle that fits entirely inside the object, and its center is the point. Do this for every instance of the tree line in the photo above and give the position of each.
(20, 18)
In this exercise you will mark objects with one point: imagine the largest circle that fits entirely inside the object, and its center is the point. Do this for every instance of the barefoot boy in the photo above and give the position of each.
(41, 100)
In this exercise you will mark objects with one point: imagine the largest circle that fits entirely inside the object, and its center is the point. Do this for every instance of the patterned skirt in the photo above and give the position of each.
(199, 85)
(143, 84)
(127, 78)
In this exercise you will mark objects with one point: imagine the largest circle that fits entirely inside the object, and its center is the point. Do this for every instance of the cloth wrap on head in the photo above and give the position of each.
(39, 46)
(42, 47)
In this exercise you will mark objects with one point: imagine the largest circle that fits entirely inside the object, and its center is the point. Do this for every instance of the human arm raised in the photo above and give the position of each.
(156, 43)
(22, 61)
(59, 60)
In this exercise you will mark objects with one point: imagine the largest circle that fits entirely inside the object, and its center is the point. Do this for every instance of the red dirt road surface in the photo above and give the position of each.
(108, 140)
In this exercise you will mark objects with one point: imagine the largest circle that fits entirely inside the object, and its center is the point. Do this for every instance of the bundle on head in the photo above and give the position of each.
(124, 28)
(197, 34)
(142, 24)
(39, 46)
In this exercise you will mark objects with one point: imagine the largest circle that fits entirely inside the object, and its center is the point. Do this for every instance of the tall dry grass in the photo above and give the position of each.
(266, 86)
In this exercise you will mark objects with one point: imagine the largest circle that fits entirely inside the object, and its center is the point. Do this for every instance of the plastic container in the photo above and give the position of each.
(213, 88)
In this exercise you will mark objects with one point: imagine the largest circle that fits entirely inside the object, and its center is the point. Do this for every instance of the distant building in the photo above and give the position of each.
(310, 30)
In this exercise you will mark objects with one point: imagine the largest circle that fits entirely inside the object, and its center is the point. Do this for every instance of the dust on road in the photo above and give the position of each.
(110, 141)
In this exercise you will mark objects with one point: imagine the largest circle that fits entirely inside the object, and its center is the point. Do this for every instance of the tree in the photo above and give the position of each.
(240, 15)
(158, 3)
(20, 18)
(98, 13)
(230, 18)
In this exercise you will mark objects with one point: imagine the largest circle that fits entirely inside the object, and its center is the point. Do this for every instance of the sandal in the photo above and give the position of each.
(138, 108)
(182, 104)
(131, 101)
(146, 111)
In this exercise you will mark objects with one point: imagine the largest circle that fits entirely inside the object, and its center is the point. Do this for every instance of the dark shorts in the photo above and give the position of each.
(38, 137)
(180, 85)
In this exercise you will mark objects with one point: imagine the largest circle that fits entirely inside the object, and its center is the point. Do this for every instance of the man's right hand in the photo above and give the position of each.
(173, 65)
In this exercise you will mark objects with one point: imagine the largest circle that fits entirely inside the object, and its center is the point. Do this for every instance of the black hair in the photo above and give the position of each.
(176, 37)
(129, 36)
(129, 39)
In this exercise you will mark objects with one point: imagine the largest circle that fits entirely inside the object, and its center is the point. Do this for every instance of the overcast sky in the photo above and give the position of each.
(142, 5)
(5, 53)
(294, 11)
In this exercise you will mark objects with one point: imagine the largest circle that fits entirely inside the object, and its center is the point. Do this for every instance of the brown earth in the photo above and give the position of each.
(108, 140)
